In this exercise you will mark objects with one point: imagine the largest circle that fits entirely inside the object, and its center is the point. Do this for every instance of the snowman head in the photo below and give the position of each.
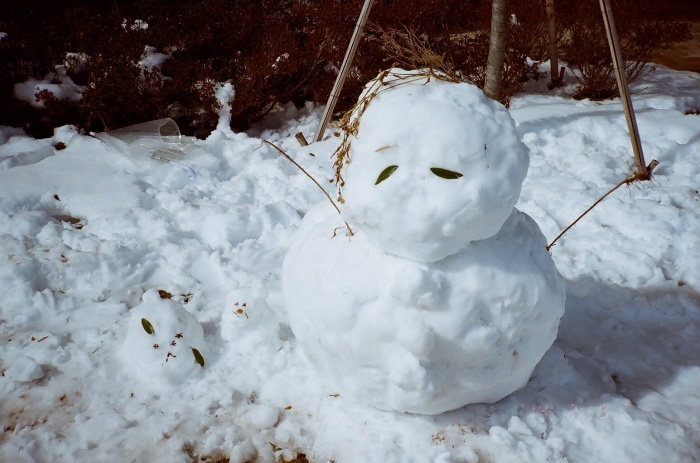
(433, 166)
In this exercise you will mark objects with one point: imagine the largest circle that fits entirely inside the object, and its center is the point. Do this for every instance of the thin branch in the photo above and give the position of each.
(634, 178)
(625, 181)
(289, 158)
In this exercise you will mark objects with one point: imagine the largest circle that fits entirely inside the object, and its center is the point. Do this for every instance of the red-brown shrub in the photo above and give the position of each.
(460, 49)
(584, 45)
(272, 51)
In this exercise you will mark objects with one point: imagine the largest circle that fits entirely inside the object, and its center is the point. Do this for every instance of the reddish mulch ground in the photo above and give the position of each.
(685, 56)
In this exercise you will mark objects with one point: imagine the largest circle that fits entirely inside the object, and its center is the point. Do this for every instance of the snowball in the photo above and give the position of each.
(162, 342)
(419, 126)
(422, 337)
(24, 369)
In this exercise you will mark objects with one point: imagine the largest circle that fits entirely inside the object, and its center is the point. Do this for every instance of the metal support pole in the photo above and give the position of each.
(344, 69)
(619, 65)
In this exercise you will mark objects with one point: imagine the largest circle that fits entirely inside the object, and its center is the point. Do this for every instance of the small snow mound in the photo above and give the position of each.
(65, 134)
(434, 165)
(248, 323)
(422, 337)
(225, 95)
(164, 342)
(24, 369)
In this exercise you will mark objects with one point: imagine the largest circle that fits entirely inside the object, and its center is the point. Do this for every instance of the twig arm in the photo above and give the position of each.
(289, 158)
(634, 178)
(549, 246)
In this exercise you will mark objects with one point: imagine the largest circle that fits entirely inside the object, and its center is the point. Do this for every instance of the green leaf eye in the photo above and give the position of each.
(147, 326)
(198, 357)
(386, 173)
(444, 173)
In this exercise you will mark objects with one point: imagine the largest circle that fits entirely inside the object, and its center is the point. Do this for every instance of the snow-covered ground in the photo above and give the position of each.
(88, 239)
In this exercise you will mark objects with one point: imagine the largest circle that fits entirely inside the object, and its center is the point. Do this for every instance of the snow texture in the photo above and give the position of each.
(422, 125)
(422, 337)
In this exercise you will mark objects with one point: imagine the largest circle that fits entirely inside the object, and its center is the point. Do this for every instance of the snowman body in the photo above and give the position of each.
(445, 295)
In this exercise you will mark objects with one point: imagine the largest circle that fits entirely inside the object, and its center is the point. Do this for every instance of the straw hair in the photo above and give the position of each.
(350, 122)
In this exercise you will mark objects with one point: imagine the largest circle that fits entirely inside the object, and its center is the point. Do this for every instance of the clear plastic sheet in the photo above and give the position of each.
(158, 140)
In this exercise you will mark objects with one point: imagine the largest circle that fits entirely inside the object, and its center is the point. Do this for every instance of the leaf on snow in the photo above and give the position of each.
(444, 173)
(386, 173)
(147, 326)
(198, 357)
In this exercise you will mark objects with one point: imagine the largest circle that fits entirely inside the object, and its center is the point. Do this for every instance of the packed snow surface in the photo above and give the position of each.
(422, 337)
(85, 235)
(422, 132)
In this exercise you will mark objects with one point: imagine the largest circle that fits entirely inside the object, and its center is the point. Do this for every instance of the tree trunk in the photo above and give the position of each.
(555, 80)
(497, 49)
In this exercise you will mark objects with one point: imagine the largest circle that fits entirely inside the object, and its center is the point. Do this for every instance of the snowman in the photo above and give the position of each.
(445, 294)
(164, 343)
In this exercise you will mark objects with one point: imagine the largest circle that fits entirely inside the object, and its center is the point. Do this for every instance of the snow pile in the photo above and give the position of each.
(423, 135)
(248, 323)
(58, 83)
(224, 93)
(468, 315)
